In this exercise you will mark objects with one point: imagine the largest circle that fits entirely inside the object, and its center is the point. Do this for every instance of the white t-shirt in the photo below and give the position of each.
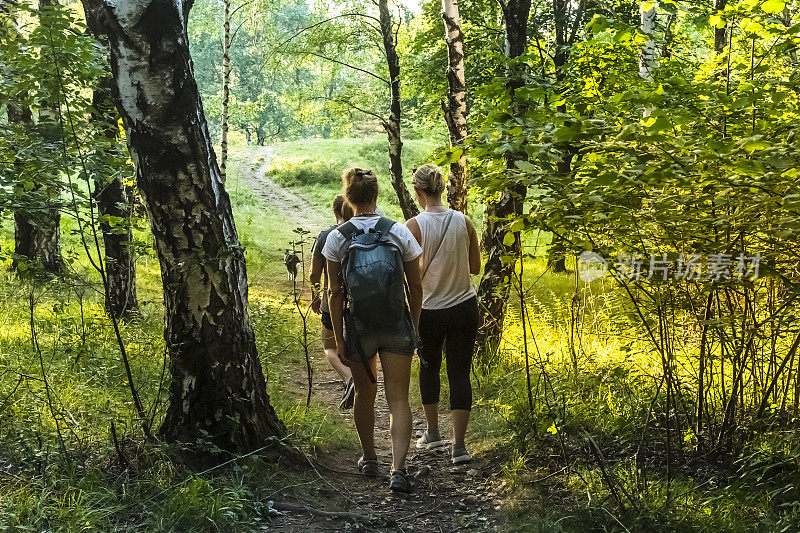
(336, 244)
(447, 280)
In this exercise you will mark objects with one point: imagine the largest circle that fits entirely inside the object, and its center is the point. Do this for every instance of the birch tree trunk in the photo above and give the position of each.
(494, 287)
(218, 389)
(392, 124)
(455, 110)
(45, 228)
(648, 51)
(226, 89)
(113, 201)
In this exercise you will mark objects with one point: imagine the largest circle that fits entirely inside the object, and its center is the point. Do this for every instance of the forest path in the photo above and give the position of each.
(295, 207)
(445, 498)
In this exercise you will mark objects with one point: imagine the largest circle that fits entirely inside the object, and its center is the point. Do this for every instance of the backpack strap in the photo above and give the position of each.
(383, 226)
(348, 229)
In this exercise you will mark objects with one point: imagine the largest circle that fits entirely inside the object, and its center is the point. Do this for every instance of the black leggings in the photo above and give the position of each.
(456, 326)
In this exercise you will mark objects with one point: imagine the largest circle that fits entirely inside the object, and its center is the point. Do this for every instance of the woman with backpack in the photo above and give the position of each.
(449, 308)
(370, 261)
(319, 301)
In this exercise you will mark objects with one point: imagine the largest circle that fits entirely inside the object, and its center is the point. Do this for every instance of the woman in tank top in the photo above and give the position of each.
(449, 319)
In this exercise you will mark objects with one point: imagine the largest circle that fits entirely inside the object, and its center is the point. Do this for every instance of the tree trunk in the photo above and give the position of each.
(37, 232)
(392, 124)
(720, 34)
(494, 287)
(648, 51)
(113, 201)
(556, 259)
(218, 390)
(455, 110)
(226, 88)
(20, 114)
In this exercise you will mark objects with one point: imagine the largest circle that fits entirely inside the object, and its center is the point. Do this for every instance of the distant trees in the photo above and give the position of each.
(218, 389)
(342, 41)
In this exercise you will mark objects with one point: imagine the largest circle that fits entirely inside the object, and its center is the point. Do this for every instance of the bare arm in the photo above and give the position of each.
(315, 276)
(413, 226)
(474, 249)
(336, 306)
(411, 269)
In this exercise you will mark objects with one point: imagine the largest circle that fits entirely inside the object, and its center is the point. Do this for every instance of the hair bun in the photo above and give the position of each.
(429, 178)
(360, 186)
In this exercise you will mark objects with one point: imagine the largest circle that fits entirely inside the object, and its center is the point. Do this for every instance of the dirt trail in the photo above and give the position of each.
(298, 209)
(446, 498)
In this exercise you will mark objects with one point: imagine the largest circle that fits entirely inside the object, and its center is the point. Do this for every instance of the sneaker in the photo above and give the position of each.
(368, 467)
(461, 455)
(349, 396)
(430, 442)
(400, 482)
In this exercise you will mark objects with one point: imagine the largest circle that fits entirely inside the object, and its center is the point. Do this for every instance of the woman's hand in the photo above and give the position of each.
(315, 305)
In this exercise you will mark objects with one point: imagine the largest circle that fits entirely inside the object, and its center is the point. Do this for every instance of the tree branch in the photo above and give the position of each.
(348, 65)
(384, 122)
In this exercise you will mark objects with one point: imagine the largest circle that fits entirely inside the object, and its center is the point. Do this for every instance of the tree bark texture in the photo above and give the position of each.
(392, 124)
(226, 88)
(494, 288)
(113, 201)
(20, 115)
(648, 51)
(218, 389)
(455, 110)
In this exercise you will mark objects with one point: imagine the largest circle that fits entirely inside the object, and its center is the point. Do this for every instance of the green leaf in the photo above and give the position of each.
(525, 166)
(773, 6)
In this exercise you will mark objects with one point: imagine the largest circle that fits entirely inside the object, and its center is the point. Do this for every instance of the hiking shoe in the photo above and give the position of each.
(430, 442)
(349, 396)
(368, 467)
(461, 455)
(400, 481)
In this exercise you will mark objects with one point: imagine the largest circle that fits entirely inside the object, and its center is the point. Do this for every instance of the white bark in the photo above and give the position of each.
(456, 108)
(648, 52)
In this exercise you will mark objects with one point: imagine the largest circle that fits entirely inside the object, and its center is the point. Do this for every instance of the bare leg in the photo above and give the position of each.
(460, 420)
(396, 378)
(364, 406)
(329, 347)
(432, 417)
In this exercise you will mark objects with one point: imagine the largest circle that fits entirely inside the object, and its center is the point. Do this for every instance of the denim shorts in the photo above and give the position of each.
(400, 339)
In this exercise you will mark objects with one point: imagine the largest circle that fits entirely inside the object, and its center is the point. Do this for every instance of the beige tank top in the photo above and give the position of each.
(447, 281)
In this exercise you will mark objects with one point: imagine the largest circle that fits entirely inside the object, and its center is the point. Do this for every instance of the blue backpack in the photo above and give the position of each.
(374, 283)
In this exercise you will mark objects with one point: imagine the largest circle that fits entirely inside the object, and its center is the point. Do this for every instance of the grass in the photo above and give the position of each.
(314, 167)
(548, 478)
